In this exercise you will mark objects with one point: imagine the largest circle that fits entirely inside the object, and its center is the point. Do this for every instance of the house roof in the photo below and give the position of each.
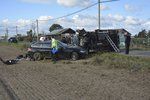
(116, 31)
(62, 31)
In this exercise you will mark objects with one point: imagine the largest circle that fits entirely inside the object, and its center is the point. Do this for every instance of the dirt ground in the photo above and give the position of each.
(3, 93)
(68, 80)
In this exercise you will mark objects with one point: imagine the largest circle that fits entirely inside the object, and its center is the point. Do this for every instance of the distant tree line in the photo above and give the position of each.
(31, 35)
(142, 39)
(143, 34)
(28, 37)
(55, 27)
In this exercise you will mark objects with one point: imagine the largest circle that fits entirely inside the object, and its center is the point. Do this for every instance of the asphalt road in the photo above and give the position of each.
(138, 53)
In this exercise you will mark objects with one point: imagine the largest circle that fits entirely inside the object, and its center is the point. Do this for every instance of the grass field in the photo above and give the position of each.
(101, 76)
(110, 60)
(21, 45)
(114, 60)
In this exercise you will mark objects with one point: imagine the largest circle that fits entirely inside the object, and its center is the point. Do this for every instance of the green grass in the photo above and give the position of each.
(114, 60)
(21, 45)
(108, 60)
(140, 47)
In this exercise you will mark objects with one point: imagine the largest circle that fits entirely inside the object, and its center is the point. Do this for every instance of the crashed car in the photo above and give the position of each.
(41, 50)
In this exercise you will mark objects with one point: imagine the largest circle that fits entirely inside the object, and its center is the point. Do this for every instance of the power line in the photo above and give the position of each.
(72, 13)
(108, 1)
(80, 10)
(36, 21)
(99, 21)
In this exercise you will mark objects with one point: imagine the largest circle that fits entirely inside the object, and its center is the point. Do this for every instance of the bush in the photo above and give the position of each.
(114, 60)
(140, 44)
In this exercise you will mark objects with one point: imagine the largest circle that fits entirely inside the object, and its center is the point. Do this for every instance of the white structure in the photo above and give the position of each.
(42, 39)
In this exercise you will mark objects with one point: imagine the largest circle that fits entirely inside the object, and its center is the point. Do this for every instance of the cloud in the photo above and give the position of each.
(5, 22)
(79, 21)
(66, 3)
(45, 18)
(116, 17)
(106, 22)
(23, 22)
(38, 1)
(26, 24)
(146, 25)
(131, 24)
(85, 20)
(132, 21)
(73, 3)
(89, 22)
(110, 21)
(103, 7)
(131, 8)
(44, 23)
(65, 22)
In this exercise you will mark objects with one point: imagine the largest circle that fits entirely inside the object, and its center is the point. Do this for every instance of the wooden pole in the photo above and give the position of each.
(37, 29)
(99, 23)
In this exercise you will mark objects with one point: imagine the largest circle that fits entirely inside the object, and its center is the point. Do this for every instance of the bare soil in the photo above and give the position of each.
(3, 93)
(69, 80)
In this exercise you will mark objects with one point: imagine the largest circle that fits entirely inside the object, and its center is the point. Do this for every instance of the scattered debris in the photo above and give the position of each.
(12, 61)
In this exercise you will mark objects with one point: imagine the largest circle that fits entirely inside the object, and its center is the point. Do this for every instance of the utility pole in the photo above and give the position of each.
(16, 30)
(99, 2)
(37, 30)
(99, 23)
(33, 28)
(6, 34)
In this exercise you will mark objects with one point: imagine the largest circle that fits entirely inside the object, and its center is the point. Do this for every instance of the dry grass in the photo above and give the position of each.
(85, 79)
(114, 60)
(21, 45)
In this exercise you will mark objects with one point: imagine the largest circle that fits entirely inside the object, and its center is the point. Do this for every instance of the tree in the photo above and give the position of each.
(148, 34)
(29, 35)
(19, 37)
(142, 34)
(136, 36)
(55, 27)
(33, 28)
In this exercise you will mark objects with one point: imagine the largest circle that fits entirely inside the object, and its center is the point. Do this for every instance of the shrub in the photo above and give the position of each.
(114, 60)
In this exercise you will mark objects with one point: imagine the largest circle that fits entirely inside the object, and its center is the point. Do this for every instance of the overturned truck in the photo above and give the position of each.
(105, 40)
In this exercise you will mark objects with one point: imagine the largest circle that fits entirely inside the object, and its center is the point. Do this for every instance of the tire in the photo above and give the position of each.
(74, 56)
(37, 56)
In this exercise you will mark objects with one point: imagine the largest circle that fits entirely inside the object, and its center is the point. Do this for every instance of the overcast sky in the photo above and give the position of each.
(132, 15)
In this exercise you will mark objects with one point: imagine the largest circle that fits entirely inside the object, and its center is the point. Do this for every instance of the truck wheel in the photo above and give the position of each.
(37, 56)
(74, 56)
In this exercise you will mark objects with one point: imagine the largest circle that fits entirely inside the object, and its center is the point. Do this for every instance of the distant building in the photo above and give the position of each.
(59, 33)
(2, 38)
